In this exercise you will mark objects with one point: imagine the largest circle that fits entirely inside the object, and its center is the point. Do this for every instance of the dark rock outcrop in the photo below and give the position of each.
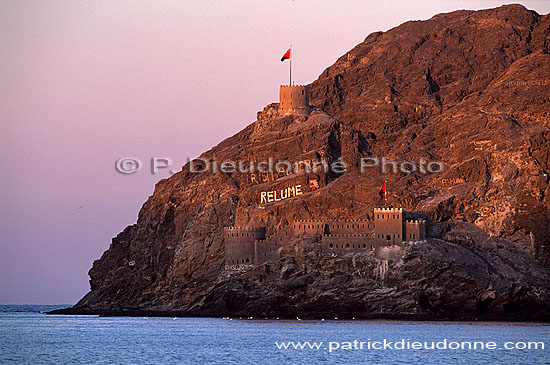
(468, 88)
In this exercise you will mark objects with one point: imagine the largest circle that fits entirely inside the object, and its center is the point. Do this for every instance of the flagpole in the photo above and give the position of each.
(385, 194)
(290, 65)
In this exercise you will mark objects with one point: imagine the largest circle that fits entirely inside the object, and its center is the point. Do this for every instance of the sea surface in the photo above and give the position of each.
(29, 336)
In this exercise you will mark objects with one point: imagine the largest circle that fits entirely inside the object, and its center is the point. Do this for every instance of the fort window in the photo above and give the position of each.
(247, 260)
(331, 245)
(414, 236)
(347, 245)
(388, 237)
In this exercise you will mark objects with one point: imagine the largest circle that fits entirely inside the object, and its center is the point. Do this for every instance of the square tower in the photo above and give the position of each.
(388, 227)
(294, 100)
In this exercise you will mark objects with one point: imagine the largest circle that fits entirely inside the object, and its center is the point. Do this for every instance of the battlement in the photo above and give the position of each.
(359, 220)
(294, 100)
(388, 210)
(243, 228)
(369, 235)
(243, 232)
(415, 221)
(331, 221)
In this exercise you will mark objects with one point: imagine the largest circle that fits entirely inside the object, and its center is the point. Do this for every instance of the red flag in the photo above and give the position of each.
(383, 190)
(286, 56)
(231, 207)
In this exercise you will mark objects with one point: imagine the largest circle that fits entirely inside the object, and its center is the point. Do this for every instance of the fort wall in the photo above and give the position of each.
(300, 227)
(415, 230)
(344, 243)
(350, 226)
(267, 250)
(240, 244)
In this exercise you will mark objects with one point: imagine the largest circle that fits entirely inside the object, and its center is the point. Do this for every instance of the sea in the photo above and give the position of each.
(29, 336)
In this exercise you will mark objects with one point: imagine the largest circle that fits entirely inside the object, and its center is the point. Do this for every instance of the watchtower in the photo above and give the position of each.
(294, 100)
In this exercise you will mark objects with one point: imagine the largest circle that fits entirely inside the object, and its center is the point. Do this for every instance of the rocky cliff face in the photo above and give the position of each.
(470, 89)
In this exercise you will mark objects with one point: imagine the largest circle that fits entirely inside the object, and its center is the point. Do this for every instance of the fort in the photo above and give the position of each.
(250, 246)
(246, 246)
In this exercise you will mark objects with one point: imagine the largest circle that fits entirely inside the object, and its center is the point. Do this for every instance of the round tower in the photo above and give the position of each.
(294, 100)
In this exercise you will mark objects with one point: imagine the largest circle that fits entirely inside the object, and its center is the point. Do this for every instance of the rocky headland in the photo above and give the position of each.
(470, 89)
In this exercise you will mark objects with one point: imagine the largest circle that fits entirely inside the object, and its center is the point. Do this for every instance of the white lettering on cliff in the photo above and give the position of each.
(278, 195)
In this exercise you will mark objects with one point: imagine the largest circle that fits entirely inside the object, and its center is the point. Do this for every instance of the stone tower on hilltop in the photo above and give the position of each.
(294, 100)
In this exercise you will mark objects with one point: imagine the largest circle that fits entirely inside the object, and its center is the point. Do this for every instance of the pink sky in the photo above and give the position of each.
(84, 83)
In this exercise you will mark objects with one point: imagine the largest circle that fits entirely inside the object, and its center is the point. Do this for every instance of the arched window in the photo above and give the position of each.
(347, 245)
(247, 260)
(331, 245)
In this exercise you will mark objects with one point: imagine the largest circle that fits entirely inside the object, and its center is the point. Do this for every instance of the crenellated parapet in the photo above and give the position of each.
(244, 232)
(388, 210)
(308, 221)
(338, 235)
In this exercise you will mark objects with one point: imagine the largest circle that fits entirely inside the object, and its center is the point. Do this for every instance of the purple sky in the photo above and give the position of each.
(84, 83)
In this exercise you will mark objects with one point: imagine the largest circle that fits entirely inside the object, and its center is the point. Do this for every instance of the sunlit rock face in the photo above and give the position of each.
(469, 89)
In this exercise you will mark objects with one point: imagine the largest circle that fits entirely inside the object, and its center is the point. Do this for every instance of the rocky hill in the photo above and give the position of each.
(470, 89)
